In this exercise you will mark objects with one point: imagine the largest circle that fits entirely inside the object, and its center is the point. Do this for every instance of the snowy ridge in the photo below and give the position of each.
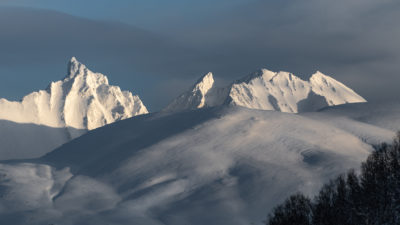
(267, 90)
(334, 92)
(233, 162)
(82, 100)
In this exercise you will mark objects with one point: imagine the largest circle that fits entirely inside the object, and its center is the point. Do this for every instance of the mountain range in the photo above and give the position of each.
(83, 100)
(267, 90)
(214, 155)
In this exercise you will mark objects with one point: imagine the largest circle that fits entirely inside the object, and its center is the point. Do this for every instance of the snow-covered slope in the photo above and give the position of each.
(18, 141)
(82, 101)
(383, 114)
(220, 165)
(268, 90)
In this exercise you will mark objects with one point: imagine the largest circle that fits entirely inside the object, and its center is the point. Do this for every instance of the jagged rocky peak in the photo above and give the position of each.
(77, 70)
(264, 74)
(268, 90)
(195, 97)
(82, 100)
(74, 67)
(204, 84)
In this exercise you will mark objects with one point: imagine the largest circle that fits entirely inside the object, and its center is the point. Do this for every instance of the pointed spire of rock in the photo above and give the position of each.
(74, 68)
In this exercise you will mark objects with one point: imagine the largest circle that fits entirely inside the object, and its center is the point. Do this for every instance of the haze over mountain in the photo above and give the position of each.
(267, 90)
(83, 100)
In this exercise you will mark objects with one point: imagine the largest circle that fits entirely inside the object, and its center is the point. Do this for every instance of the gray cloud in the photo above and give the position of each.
(355, 41)
(36, 44)
(34, 35)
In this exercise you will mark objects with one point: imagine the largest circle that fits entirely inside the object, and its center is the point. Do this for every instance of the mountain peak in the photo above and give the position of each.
(73, 60)
(263, 73)
(74, 68)
(77, 70)
(268, 90)
(204, 84)
(319, 74)
(195, 97)
(208, 77)
(82, 100)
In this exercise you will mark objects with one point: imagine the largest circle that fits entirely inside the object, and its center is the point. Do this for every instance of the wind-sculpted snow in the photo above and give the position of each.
(219, 165)
(383, 114)
(269, 90)
(82, 101)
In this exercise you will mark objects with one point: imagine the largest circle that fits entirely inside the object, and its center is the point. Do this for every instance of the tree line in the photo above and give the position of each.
(371, 197)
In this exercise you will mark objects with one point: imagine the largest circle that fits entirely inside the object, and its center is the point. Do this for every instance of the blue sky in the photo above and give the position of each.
(158, 48)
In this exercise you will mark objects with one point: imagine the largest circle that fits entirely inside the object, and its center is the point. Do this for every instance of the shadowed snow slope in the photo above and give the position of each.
(268, 90)
(218, 165)
(385, 114)
(19, 140)
(82, 101)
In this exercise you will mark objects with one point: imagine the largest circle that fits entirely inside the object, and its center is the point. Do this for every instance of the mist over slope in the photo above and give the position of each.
(218, 165)
(82, 101)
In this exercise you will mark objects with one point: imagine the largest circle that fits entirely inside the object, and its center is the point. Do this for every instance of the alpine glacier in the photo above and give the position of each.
(267, 90)
(82, 101)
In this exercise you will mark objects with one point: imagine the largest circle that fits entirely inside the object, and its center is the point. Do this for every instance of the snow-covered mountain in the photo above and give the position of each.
(217, 165)
(230, 161)
(82, 101)
(267, 90)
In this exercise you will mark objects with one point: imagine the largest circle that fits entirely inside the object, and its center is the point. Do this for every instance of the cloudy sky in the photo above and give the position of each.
(158, 48)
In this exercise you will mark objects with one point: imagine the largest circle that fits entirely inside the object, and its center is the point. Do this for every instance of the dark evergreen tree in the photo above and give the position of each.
(295, 210)
(324, 212)
(395, 178)
(335, 203)
(375, 182)
(354, 199)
